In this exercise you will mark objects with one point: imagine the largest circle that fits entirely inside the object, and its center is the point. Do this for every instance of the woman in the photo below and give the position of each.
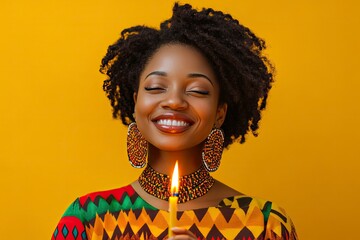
(186, 91)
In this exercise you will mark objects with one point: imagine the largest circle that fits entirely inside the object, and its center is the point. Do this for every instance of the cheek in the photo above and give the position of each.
(144, 105)
(206, 110)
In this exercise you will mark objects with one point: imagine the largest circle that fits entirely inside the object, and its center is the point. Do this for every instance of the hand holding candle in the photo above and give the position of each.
(173, 199)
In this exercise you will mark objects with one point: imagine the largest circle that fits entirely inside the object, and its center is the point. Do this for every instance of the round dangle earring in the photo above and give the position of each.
(136, 147)
(213, 148)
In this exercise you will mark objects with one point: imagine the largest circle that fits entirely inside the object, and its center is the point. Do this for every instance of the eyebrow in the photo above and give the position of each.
(158, 73)
(196, 75)
(190, 75)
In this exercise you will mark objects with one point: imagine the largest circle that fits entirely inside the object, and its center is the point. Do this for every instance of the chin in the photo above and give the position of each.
(171, 148)
(177, 146)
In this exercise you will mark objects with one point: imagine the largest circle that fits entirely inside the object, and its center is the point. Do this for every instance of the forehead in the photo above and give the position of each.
(179, 58)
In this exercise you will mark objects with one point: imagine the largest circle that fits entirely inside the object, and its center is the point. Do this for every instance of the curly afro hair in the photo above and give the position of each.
(244, 74)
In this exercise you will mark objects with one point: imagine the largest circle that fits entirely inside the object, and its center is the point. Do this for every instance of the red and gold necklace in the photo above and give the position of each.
(191, 186)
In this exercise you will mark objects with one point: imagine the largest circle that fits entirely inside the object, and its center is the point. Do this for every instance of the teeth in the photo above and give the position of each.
(169, 122)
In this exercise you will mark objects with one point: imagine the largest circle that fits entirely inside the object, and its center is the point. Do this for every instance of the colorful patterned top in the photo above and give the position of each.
(123, 214)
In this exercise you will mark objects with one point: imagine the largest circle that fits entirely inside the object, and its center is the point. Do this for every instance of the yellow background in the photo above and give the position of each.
(59, 141)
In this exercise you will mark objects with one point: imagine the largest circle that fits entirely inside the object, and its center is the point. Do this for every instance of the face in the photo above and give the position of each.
(176, 105)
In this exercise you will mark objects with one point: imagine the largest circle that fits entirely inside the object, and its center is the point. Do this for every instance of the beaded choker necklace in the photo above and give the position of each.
(191, 186)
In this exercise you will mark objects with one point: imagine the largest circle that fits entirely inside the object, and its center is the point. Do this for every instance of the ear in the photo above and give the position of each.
(135, 97)
(220, 115)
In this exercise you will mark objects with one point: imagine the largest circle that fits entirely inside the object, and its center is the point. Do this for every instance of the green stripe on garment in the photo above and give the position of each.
(103, 206)
(266, 211)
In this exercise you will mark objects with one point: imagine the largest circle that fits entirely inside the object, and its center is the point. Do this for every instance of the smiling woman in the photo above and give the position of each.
(187, 90)
(176, 104)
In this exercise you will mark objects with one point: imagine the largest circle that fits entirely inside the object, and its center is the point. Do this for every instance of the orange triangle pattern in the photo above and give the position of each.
(238, 217)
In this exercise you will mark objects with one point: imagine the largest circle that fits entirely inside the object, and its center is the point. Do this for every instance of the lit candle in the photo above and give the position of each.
(173, 198)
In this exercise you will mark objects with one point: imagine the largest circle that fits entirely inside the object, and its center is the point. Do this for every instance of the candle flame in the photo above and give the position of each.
(175, 180)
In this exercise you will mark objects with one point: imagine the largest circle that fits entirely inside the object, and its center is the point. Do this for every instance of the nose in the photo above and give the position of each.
(175, 99)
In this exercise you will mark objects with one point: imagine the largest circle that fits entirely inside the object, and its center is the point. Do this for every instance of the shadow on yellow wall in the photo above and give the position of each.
(58, 140)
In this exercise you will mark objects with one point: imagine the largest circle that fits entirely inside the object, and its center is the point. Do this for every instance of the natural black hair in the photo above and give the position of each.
(244, 74)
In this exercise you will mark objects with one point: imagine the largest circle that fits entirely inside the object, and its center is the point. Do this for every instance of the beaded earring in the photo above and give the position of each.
(136, 147)
(213, 148)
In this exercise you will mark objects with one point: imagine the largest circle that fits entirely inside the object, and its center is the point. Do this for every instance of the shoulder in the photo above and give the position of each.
(87, 206)
(278, 224)
(245, 202)
(108, 195)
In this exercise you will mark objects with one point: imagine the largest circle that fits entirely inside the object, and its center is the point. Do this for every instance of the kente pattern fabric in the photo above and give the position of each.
(123, 214)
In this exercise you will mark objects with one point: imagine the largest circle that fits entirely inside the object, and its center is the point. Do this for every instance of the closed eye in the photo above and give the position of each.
(201, 92)
(154, 88)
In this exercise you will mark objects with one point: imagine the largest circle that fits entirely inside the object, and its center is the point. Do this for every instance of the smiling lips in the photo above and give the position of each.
(172, 124)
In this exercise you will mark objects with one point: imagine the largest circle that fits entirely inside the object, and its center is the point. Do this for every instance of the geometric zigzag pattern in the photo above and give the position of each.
(122, 214)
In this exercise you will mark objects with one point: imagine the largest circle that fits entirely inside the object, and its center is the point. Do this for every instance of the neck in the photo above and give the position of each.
(164, 161)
